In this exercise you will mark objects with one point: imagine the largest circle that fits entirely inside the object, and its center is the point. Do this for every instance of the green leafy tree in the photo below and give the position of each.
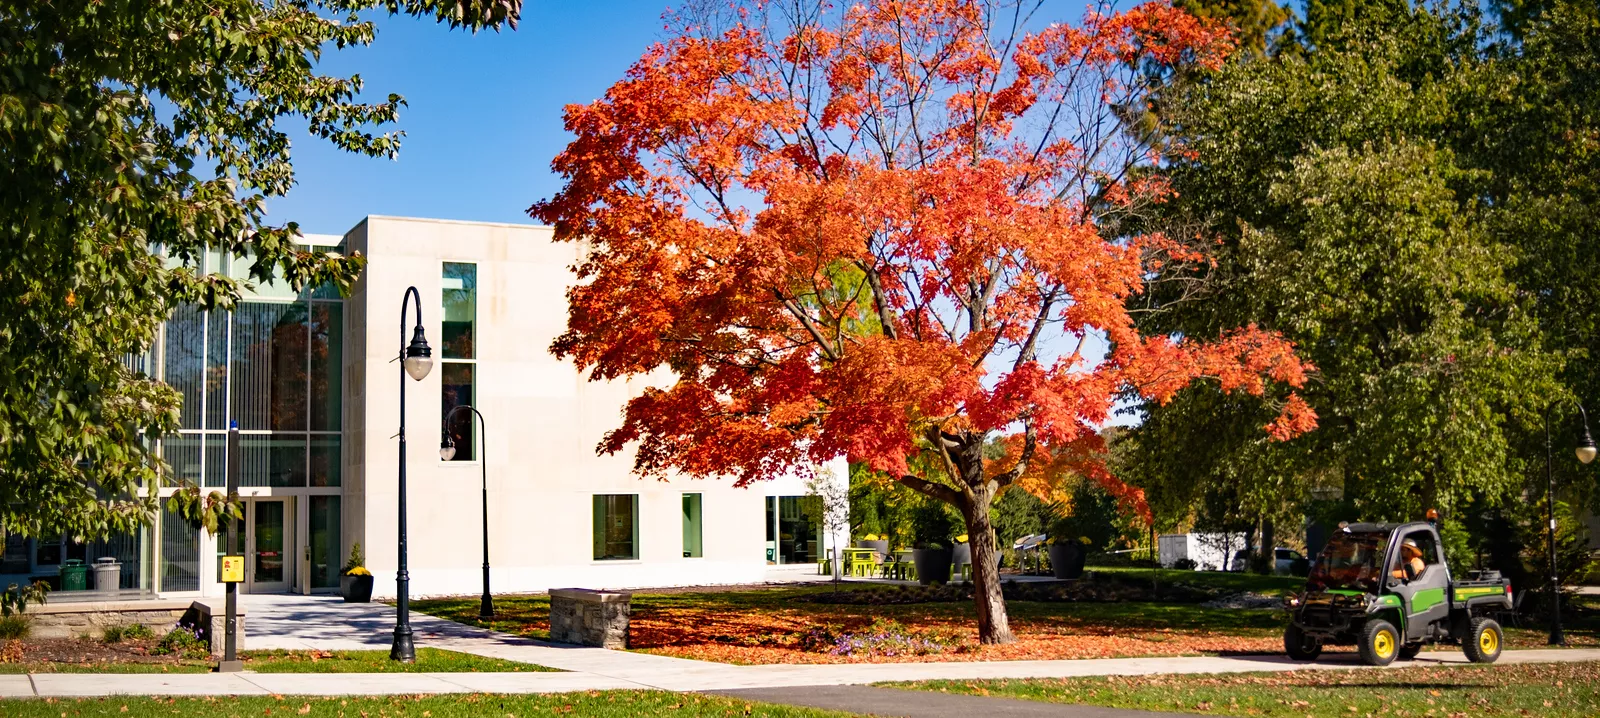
(1256, 24)
(1348, 222)
(136, 136)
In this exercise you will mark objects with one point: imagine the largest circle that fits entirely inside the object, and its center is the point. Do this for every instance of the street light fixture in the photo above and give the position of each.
(447, 451)
(1586, 453)
(417, 360)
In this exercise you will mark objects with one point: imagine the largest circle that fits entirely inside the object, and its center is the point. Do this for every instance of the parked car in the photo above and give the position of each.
(1285, 562)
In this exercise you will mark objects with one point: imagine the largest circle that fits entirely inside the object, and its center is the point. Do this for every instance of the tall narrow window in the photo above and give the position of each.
(692, 547)
(459, 356)
(616, 527)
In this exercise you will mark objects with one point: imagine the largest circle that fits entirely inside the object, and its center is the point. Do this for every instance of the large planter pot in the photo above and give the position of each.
(961, 555)
(933, 565)
(881, 546)
(355, 589)
(1066, 559)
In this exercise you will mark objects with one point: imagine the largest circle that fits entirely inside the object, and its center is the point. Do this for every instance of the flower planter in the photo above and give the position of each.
(933, 565)
(1066, 559)
(356, 588)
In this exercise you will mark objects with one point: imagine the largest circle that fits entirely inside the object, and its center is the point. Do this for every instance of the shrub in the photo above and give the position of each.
(14, 627)
(128, 632)
(357, 564)
(882, 638)
(137, 632)
(182, 643)
(1184, 564)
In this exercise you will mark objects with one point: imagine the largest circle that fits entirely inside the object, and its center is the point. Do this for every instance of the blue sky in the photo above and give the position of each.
(484, 114)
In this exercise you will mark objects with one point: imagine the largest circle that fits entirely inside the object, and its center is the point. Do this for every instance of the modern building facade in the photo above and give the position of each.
(312, 381)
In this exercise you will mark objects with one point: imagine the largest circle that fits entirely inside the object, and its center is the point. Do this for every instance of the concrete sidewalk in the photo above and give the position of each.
(636, 671)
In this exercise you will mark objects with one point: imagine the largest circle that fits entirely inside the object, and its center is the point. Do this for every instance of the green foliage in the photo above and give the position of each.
(357, 559)
(136, 138)
(183, 643)
(1017, 513)
(126, 632)
(1092, 513)
(13, 626)
(15, 599)
(933, 523)
(1458, 552)
(1349, 222)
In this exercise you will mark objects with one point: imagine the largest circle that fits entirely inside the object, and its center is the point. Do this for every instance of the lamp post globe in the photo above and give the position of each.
(418, 356)
(447, 449)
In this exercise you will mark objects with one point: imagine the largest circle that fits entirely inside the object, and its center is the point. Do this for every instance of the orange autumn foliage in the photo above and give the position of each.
(841, 226)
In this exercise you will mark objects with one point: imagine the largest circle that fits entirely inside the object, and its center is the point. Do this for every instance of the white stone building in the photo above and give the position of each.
(312, 381)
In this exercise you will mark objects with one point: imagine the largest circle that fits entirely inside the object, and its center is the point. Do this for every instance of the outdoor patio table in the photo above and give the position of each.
(861, 561)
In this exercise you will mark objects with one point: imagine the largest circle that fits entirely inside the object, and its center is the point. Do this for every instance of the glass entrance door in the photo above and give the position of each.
(267, 555)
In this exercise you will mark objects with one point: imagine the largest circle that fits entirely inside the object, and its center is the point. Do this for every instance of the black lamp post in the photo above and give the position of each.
(447, 451)
(1586, 452)
(416, 360)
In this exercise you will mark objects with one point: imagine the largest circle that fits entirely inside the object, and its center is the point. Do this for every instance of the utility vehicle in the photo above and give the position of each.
(1385, 588)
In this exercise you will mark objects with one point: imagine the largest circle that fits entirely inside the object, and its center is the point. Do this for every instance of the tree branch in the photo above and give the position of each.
(1029, 444)
(931, 489)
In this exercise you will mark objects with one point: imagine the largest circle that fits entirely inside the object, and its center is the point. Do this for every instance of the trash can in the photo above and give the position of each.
(74, 575)
(107, 575)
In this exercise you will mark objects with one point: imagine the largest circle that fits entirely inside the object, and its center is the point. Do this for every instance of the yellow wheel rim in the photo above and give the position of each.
(1383, 644)
(1489, 641)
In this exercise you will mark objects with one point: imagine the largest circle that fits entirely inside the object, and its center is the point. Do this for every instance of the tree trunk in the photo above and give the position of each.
(993, 625)
(1269, 544)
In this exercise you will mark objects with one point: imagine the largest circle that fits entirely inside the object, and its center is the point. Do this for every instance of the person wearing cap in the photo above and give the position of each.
(1410, 565)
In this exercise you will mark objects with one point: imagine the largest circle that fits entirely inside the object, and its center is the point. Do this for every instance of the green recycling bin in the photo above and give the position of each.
(74, 575)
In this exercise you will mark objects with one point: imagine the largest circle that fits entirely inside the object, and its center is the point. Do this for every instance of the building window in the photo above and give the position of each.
(274, 366)
(326, 547)
(458, 359)
(616, 527)
(180, 553)
(692, 546)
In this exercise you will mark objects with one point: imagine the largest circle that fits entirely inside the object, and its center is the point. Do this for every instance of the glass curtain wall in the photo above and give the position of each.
(274, 366)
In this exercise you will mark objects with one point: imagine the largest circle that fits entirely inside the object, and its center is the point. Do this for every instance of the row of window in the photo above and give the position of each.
(794, 528)
(616, 527)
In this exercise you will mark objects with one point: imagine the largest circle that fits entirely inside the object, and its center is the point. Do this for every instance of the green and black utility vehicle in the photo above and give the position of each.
(1385, 588)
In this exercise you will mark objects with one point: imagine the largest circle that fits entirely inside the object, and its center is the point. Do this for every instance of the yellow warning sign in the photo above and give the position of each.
(233, 569)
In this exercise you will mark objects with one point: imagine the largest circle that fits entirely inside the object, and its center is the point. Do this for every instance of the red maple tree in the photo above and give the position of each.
(878, 230)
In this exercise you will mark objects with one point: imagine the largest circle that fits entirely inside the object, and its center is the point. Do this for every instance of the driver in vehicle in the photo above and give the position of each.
(1410, 565)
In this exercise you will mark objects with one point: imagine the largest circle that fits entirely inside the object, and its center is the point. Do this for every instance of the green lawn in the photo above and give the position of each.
(1555, 690)
(593, 704)
(429, 660)
(1229, 582)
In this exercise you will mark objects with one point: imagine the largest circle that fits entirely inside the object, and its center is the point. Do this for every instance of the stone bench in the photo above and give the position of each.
(589, 618)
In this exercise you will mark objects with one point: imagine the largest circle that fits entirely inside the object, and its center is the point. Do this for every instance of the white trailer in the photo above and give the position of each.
(1208, 551)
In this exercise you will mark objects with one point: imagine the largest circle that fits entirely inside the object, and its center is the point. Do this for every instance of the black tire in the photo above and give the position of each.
(1484, 641)
(1299, 646)
(1379, 642)
(1409, 651)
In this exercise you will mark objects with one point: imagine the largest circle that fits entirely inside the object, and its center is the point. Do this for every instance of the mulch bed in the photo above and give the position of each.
(82, 652)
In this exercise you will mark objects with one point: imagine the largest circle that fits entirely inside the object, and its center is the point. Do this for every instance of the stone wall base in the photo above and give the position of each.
(589, 618)
(91, 619)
